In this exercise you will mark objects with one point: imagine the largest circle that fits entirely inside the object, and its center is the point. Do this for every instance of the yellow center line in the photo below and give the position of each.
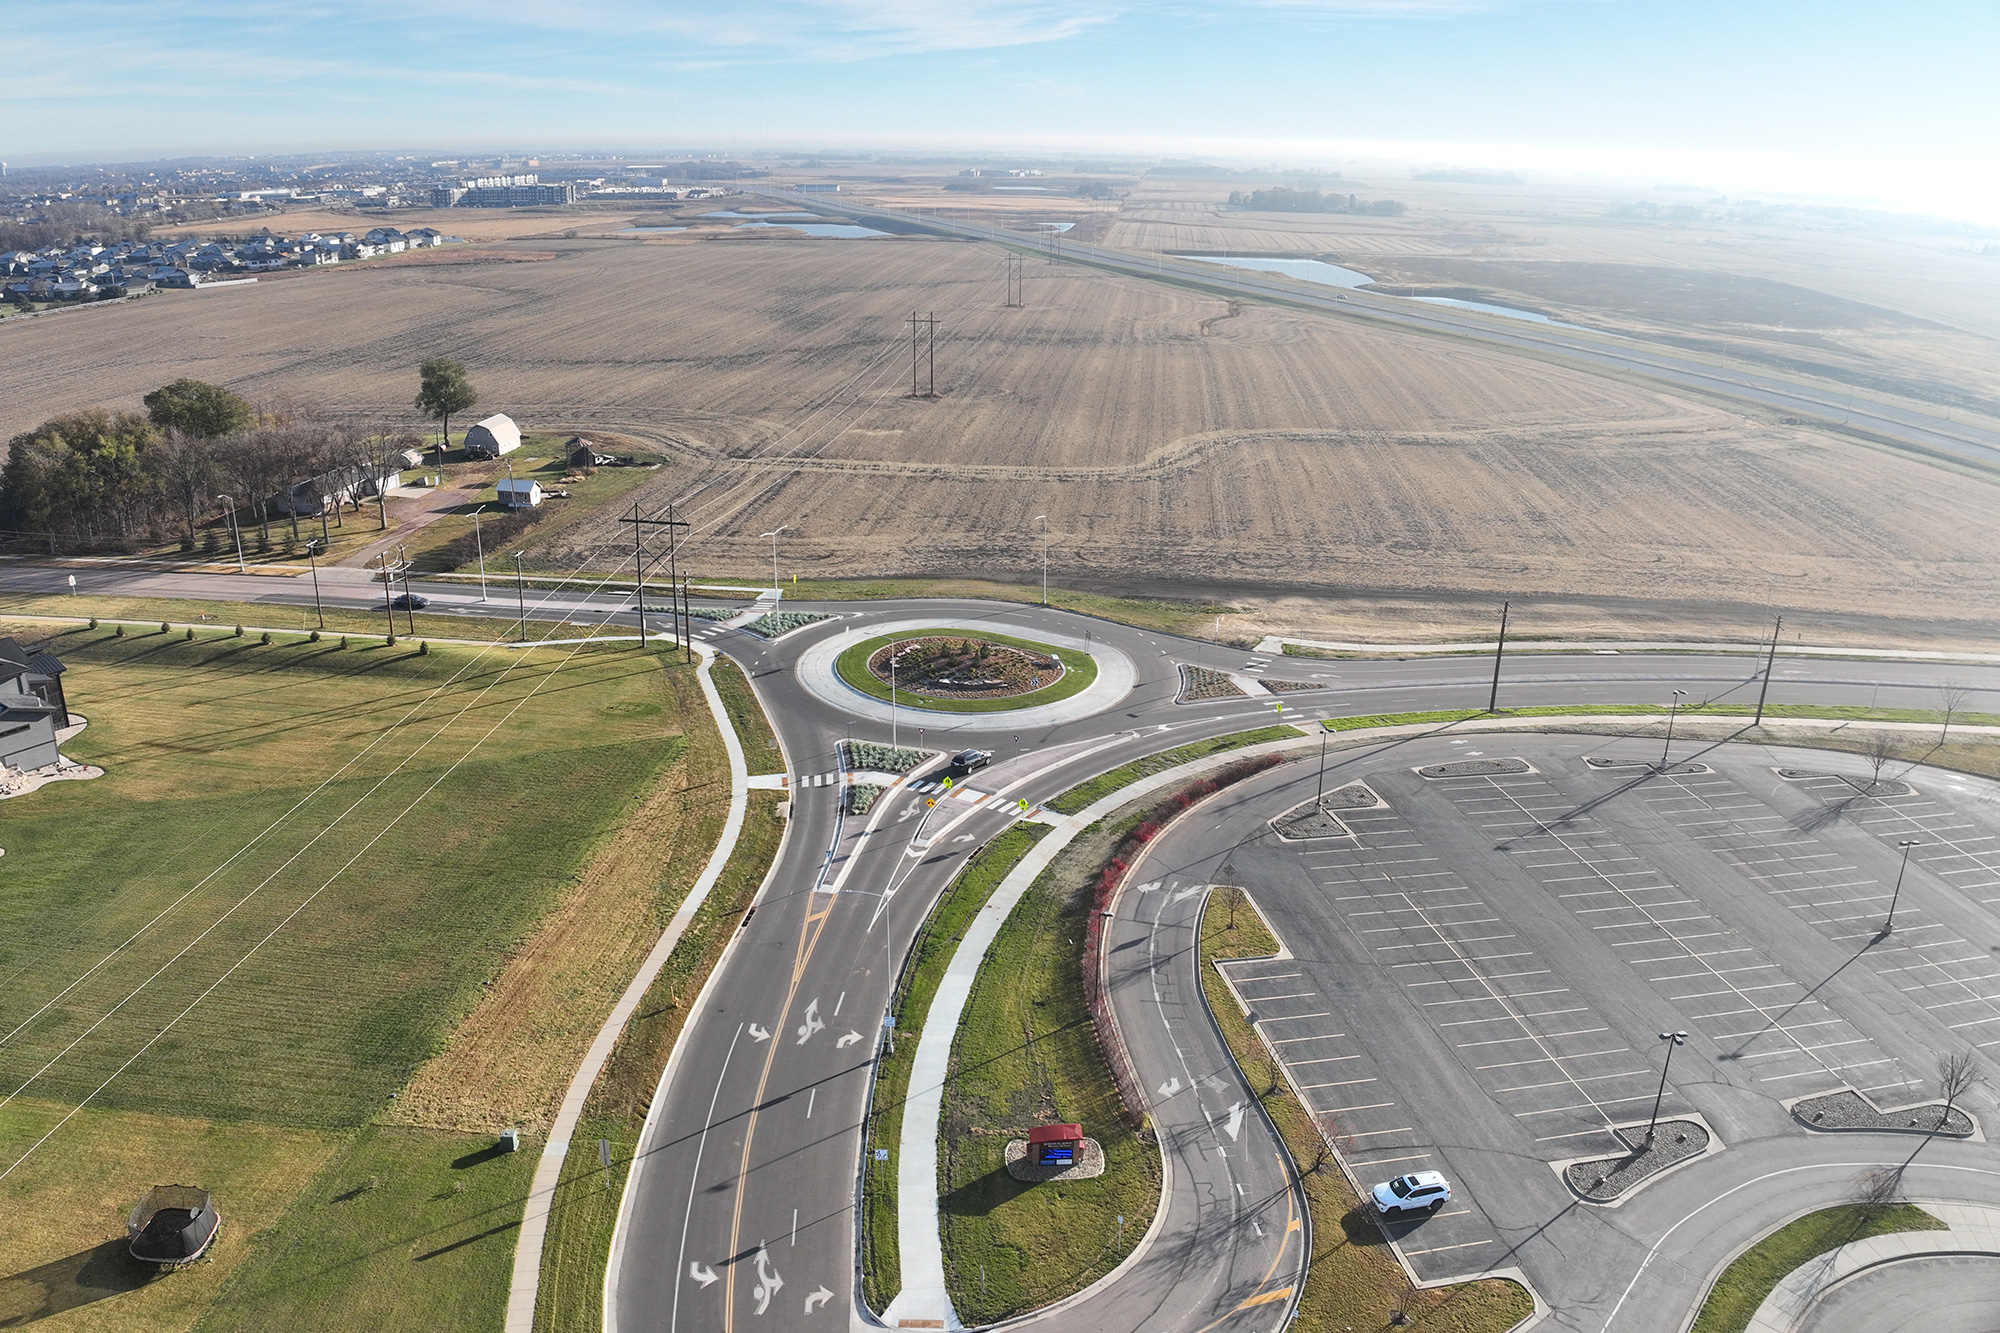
(1282, 1293)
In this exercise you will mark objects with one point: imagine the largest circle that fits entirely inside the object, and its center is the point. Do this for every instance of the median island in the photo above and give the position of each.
(959, 671)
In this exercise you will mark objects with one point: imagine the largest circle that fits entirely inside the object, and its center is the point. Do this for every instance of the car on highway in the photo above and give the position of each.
(410, 601)
(967, 760)
(1420, 1192)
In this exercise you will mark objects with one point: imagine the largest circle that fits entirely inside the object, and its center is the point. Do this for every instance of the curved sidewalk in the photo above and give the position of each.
(1971, 1229)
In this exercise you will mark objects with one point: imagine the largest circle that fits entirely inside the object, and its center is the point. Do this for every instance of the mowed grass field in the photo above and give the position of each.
(1177, 442)
(298, 878)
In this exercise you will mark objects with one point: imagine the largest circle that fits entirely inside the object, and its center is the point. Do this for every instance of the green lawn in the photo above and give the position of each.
(1353, 1278)
(324, 855)
(930, 953)
(1734, 1298)
(1026, 1054)
(760, 743)
(370, 626)
(1085, 794)
(406, 1228)
(1079, 670)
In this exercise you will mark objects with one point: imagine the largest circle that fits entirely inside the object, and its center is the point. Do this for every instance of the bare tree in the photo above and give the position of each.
(1878, 1190)
(189, 473)
(1952, 695)
(1956, 1073)
(1880, 750)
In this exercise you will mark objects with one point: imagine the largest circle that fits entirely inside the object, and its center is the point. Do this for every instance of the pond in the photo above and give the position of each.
(1055, 226)
(1506, 310)
(847, 229)
(1311, 270)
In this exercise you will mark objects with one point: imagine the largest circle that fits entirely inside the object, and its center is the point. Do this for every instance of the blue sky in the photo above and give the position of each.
(1872, 101)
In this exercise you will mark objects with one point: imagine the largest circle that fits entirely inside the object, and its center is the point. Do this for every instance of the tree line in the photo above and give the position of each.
(1283, 199)
(99, 479)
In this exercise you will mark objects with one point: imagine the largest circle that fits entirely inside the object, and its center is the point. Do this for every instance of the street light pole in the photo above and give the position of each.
(1319, 795)
(235, 532)
(312, 555)
(480, 542)
(521, 594)
(892, 696)
(1672, 1039)
(1894, 898)
(1672, 710)
(774, 558)
(1043, 519)
(388, 605)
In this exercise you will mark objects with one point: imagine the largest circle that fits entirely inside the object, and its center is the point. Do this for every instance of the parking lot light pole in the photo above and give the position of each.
(1672, 709)
(1672, 1039)
(236, 532)
(1905, 844)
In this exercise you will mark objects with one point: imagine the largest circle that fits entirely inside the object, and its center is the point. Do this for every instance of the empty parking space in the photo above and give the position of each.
(1483, 967)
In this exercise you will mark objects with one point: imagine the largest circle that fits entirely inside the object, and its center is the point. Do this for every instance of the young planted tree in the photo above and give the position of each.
(442, 391)
(1952, 694)
(1956, 1072)
(192, 407)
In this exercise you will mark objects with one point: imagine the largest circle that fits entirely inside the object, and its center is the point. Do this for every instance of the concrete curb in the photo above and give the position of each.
(1970, 1230)
(527, 1274)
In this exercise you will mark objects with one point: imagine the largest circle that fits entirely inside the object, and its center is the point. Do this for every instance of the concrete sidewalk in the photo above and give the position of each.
(1971, 1229)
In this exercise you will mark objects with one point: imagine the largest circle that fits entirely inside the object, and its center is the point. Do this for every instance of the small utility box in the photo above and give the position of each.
(510, 1140)
(1055, 1152)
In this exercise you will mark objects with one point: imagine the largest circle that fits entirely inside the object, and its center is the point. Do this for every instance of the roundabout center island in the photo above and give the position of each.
(950, 670)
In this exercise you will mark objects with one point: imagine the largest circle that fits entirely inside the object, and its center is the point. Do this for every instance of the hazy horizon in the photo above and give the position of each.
(1822, 101)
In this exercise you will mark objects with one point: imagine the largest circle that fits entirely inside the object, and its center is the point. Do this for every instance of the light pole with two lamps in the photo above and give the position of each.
(236, 532)
(774, 556)
(1672, 1039)
(1906, 844)
(1672, 710)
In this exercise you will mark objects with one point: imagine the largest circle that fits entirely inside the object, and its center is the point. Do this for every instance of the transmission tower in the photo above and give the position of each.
(1016, 286)
(923, 355)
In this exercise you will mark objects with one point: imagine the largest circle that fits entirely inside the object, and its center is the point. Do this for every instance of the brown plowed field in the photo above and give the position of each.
(1171, 443)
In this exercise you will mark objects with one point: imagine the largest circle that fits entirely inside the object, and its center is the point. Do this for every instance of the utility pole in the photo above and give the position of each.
(479, 542)
(1043, 519)
(388, 603)
(923, 354)
(234, 531)
(1770, 661)
(1016, 286)
(639, 526)
(1493, 700)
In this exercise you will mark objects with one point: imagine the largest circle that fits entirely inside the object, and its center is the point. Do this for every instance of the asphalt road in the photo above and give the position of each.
(741, 1210)
(1906, 421)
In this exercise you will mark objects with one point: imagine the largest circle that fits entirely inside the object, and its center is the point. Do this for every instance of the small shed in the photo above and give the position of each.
(494, 436)
(172, 1225)
(582, 454)
(519, 493)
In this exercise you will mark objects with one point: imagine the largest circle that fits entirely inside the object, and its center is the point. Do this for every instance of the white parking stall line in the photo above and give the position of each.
(1322, 1060)
(1287, 1041)
(1440, 1249)
(1551, 1059)
(1588, 1078)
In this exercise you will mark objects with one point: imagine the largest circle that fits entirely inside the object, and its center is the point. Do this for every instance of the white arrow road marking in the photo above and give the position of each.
(812, 1024)
(819, 1297)
(758, 1034)
(1170, 1087)
(1235, 1125)
(769, 1283)
(1148, 888)
(1189, 892)
(848, 1040)
(701, 1274)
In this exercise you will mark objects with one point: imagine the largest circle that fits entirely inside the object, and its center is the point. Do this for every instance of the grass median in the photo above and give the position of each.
(930, 954)
(1353, 1276)
(1086, 794)
(1079, 670)
(1027, 1054)
(760, 744)
(1734, 1298)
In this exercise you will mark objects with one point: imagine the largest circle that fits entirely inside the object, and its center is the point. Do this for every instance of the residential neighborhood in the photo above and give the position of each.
(90, 271)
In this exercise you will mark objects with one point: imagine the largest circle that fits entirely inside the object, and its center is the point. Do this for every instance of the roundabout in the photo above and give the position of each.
(953, 676)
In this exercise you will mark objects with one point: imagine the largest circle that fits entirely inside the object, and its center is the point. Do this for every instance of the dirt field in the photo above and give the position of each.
(1178, 444)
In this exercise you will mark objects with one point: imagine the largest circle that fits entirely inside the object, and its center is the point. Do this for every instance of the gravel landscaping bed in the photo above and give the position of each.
(1353, 796)
(1603, 1179)
(1290, 686)
(779, 623)
(1309, 822)
(1676, 770)
(964, 667)
(1475, 768)
(875, 757)
(1857, 786)
(1852, 1111)
(1198, 683)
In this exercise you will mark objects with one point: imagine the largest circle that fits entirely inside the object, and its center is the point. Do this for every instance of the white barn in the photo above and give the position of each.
(494, 436)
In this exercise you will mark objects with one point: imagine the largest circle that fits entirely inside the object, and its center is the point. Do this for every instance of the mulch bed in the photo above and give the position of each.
(1606, 1178)
(1475, 768)
(1289, 686)
(1676, 770)
(1852, 1111)
(1306, 821)
(1856, 786)
(1199, 683)
(949, 667)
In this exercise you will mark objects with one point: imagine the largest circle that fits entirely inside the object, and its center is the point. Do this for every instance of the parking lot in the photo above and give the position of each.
(1483, 963)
